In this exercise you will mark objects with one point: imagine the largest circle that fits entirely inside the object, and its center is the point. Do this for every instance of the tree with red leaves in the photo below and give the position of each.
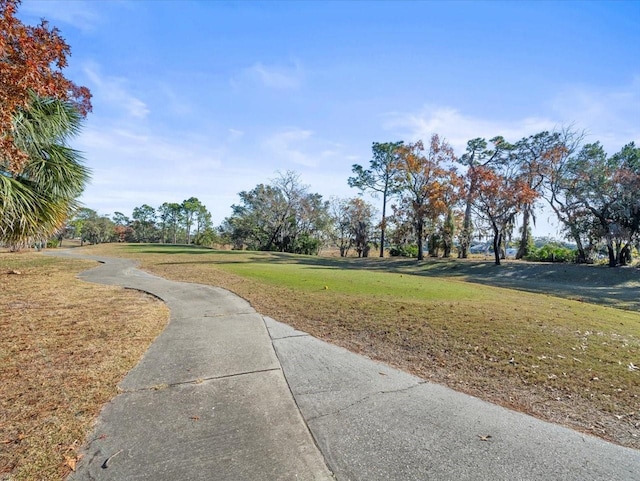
(423, 175)
(501, 194)
(31, 62)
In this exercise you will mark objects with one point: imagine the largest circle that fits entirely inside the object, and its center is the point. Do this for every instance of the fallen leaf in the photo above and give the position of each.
(71, 462)
(195, 418)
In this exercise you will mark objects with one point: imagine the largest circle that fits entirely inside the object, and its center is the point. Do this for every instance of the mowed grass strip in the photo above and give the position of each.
(564, 361)
(65, 345)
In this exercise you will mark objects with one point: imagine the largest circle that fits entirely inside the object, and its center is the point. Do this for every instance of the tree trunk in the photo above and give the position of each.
(497, 245)
(383, 223)
(419, 229)
(612, 254)
(448, 233)
(523, 249)
(465, 238)
(272, 240)
(434, 245)
(624, 257)
(582, 256)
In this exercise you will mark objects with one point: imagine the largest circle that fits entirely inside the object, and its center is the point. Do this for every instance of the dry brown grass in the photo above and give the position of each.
(65, 345)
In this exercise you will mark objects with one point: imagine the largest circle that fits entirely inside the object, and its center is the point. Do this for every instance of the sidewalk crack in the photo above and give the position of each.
(226, 376)
(362, 400)
(228, 314)
(289, 337)
(162, 386)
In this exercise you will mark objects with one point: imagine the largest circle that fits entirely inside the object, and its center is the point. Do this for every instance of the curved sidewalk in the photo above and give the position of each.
(209, 401)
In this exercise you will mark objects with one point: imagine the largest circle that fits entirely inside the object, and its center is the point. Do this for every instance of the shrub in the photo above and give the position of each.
(552, 252)
(408, 250)
(306, 244)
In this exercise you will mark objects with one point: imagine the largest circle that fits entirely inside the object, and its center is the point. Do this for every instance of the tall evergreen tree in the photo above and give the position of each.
(379, 178)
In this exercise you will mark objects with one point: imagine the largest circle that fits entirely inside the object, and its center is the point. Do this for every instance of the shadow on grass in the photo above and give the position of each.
(597, 284)
(171, 249)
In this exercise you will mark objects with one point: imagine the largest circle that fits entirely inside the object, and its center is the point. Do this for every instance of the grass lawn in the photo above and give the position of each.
(562, 360)
(65, 345)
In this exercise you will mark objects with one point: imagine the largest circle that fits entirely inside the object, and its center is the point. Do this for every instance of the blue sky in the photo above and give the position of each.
(207, 99)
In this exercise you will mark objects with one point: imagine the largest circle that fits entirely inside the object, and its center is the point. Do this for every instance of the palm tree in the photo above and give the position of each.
(36, 201)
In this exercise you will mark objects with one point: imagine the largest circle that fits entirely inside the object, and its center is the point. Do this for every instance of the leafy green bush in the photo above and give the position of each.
(52, 243)
(552, 252)
(306, 244)
(409, 250)
(208, 238)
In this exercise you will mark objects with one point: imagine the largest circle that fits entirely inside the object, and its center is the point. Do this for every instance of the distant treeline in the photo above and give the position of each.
(430, 202)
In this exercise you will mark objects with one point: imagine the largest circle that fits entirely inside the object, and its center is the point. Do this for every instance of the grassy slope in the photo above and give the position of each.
(562, 360)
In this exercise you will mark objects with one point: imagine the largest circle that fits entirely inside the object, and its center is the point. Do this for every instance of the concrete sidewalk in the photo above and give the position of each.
(373, 422)
(209, 401)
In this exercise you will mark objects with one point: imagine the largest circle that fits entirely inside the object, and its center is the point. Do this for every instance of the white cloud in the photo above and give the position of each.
(611, 116)
(131, 168)
(136, 158)
(80, 14)
(607, 115)
(458, 128)
(113, 92)
(235, 134)
(272, 76)
(174, 100)
(288, 145)
(149, 157)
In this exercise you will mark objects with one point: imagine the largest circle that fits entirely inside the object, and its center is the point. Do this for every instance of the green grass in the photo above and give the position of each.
(560, 359)
(377, 285)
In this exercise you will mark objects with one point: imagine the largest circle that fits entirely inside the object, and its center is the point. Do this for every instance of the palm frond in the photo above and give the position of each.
(35, 202)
